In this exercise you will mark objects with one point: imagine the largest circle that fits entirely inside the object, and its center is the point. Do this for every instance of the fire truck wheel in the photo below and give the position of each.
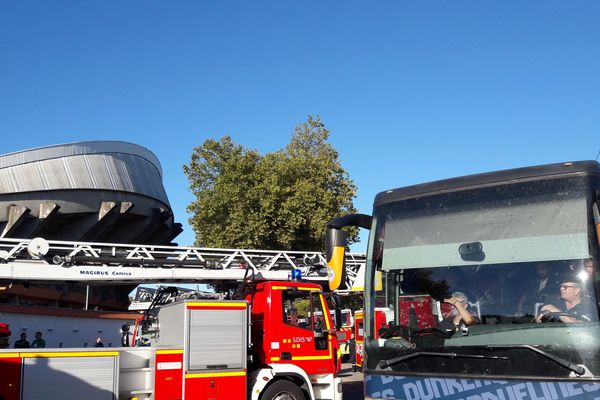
(283, 390)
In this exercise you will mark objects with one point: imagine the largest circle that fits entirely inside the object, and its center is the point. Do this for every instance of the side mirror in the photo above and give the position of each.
(335, 299)
(335, 305)
(335, 246)
(336, 253)
(338, 318)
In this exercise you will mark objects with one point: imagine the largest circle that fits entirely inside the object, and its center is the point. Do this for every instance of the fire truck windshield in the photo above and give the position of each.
(346, 318)
(495, 281)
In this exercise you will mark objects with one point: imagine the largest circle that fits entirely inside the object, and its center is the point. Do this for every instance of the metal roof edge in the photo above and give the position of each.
(79, 148)
(488, 178)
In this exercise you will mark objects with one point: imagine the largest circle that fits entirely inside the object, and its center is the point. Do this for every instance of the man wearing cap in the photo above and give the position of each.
(578, 306)
(459, 313)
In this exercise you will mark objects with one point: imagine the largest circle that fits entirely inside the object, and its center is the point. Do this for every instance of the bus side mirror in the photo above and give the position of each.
(335, 246)
(336, 254)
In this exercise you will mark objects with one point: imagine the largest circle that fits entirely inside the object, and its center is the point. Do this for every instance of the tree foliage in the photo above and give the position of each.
(281, 200)
(352, 301)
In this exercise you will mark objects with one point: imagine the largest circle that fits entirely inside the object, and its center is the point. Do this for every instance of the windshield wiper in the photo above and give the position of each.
(386, 363)
(579, 370)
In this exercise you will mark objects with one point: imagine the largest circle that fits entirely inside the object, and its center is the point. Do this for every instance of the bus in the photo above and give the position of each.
(493, 282)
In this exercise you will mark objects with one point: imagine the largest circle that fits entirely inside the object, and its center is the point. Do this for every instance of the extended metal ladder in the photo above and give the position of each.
(43, 260)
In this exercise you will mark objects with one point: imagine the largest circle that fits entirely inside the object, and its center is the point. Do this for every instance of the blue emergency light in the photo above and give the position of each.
(296, 275)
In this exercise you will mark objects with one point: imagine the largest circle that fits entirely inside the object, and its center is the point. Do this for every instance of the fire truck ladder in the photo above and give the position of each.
(40, 260)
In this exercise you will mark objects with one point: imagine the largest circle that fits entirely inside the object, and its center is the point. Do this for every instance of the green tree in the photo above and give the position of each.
(303, 307)
(353, 301)
(281, 200)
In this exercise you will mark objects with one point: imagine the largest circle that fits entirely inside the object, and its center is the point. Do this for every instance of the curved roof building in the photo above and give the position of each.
(101, 191)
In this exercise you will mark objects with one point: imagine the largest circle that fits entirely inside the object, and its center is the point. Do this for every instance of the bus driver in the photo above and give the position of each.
(577, 306)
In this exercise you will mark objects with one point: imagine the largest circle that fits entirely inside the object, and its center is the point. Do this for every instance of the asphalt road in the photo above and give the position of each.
(352, 383)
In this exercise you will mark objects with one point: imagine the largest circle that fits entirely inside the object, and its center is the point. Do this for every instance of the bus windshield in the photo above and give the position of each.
(501, 277)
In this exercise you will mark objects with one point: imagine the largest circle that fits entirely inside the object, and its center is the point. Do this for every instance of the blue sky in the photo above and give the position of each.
(411, 91)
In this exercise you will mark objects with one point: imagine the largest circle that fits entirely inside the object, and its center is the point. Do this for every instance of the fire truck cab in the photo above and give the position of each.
(288, 344)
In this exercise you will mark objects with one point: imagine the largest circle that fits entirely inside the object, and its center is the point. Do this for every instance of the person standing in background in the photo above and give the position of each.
(38, 343)
(22, 343)
(352, 351)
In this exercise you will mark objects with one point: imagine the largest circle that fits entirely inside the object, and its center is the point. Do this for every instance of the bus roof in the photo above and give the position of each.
(489, 179)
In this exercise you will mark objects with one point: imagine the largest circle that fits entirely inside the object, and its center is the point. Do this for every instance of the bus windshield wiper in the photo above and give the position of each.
(386, 363)
(579, 370)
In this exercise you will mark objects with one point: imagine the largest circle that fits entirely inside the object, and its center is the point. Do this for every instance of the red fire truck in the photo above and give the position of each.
(344, 329)
(381, 320)
(344, 332)
(4, 335)
(263, 345)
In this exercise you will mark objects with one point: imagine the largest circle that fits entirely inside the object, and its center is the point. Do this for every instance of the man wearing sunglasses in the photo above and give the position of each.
(577, 306)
